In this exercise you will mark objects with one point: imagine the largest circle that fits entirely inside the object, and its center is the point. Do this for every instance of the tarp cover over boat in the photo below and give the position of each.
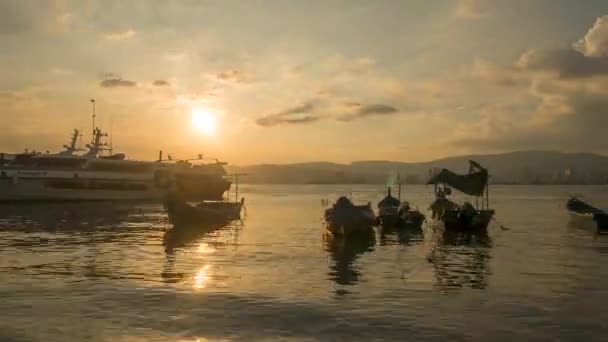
(473, 183)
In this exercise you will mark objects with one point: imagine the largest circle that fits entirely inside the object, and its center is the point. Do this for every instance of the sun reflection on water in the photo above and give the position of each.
(205, 248)
(202, 277)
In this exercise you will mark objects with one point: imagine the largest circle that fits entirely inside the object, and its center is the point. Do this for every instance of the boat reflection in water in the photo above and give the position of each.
(186, 235)
(73, 216)
(202, 239)
(460, 259)
(344, 251)
(404, 235)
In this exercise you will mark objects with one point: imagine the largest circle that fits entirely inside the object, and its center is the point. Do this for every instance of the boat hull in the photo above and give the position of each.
(583, 214)
(457, 220)
(348, 221)
(183, 214)
(598, 221)
(412, 218)
(83, 189)
(389, 216)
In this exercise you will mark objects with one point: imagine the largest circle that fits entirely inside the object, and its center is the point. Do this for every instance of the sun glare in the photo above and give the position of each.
(204, 121)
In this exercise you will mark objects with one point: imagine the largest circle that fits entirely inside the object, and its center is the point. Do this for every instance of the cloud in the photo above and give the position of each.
(160, 83)
(116, 82)
(369, 110)
(497, 75)
(586, 58)
(120, 35)
(472, 9)
(176, 56)
(7, 95)
(232, 75)
(296, 115)
(577, 129)
(595, 42)
(18, 17)
(565, 62)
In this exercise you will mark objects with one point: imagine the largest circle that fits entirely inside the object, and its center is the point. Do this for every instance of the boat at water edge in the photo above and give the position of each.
(586, 214)
(466, 217)
(345, 218)
(388, 210)
(68, 176)
(394, 213)
(409, 217)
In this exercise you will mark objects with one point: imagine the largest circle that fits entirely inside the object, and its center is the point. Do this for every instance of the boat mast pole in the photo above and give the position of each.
(93, 102)
(236, 188)
(399, 183)
(487, 195)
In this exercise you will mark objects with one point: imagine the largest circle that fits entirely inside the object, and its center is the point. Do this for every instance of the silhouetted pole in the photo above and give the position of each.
(93, 102)
(236, 188)
(399, 183)
(488, 195)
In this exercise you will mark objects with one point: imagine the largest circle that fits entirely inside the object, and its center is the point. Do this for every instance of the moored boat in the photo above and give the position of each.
(345, 218)
(409, 217)
(182, 213)
(388, 210)
(586, 214)
(68, 176)
(466, 217)
(394, 213)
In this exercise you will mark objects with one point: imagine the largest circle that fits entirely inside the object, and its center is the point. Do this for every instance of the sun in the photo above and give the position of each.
(204, 121)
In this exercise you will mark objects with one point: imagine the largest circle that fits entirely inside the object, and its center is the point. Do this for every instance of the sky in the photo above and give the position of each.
(281, 81)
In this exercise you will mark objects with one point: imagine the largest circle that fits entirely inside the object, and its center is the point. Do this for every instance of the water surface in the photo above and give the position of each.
(118, 272)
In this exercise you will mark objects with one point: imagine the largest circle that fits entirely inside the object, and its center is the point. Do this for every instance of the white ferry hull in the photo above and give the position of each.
(37, 190)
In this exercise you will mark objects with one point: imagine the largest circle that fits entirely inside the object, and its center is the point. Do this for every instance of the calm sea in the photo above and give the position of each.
(106, 272)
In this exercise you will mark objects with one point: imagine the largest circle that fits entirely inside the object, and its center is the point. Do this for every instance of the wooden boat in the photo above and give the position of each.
(344, 217)
(585, 214)
(466, 217)
(393, 212)
(388, 210)
(410, 217)
(182, 213)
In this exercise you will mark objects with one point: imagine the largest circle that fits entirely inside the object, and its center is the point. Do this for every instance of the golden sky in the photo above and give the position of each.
(292, 81)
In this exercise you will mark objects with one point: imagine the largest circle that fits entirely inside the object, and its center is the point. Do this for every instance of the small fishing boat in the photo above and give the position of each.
(466, 217)
(410, 217)
(183, 213)
(388, 210)
(394, 213)
(345, 218)
(583, 213)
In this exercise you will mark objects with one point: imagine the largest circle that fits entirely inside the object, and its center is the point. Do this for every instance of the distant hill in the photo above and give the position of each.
(523, 167)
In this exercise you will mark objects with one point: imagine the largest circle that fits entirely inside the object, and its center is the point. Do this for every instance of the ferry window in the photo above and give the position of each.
(59, 163)
(118, 167)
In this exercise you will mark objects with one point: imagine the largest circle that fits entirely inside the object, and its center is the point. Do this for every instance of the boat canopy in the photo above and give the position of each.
(474, 183)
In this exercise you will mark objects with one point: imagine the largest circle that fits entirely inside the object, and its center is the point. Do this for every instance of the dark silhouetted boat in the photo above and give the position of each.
(183, 213)
(388, 210)
(466, 217)
(345, 218)
(585, 214)
(393, 212)
(410, 217)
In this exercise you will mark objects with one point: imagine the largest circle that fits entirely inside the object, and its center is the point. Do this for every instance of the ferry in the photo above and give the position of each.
(68, 176)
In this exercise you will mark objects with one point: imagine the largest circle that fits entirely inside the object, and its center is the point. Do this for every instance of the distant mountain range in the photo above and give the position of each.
(523, 167)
